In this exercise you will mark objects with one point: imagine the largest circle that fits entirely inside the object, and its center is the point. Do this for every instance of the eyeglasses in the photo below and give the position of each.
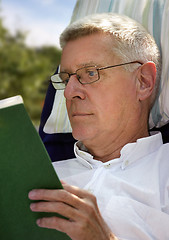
(85, 75)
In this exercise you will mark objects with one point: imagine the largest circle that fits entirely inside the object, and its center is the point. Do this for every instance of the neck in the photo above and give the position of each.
(110, 149)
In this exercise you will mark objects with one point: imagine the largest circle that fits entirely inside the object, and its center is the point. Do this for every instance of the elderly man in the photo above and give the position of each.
(119, 181)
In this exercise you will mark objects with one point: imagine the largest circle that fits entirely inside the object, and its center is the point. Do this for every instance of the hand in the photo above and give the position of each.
(79, 206)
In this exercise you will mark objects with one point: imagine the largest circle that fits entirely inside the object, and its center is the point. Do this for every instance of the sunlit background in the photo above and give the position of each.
(29, 48)
(42, 20)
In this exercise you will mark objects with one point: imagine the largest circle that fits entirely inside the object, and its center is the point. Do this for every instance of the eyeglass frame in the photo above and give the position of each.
(97, 69)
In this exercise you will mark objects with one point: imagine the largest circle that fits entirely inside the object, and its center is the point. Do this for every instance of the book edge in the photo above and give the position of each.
(8, 102)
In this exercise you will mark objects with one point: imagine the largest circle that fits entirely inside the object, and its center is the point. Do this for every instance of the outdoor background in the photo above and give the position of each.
(29, 48)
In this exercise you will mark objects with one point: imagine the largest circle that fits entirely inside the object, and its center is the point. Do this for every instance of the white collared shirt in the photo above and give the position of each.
(132, 191)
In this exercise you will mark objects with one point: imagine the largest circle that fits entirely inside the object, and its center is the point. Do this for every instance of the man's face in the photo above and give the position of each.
(99, 111)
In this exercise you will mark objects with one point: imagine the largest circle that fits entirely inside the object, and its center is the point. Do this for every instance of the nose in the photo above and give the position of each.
(74, 89)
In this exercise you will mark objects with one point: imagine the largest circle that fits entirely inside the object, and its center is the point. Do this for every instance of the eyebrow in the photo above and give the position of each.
(87, 64)
(91, 63)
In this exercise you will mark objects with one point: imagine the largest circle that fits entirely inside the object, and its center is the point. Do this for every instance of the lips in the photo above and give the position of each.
(78, 114)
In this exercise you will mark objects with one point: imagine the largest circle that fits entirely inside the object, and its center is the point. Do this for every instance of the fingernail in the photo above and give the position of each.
(32, 206)
(32, 194)
(38, 222)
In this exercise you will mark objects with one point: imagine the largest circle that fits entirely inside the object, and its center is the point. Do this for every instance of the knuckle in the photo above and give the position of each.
(53, 221)
(60, 207)
(63, 194)
(40, 206)
(90, 210)
(93, 198)
(47, 222)
(40, 192)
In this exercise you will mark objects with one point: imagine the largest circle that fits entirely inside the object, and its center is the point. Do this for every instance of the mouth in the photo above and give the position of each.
(81, 114)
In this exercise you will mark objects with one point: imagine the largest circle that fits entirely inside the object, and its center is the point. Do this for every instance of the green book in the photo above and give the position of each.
(24, 165)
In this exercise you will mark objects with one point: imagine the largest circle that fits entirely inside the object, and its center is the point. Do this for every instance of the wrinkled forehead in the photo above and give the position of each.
(90, 49)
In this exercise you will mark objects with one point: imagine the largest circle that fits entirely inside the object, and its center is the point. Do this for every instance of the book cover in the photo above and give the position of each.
(24, 165)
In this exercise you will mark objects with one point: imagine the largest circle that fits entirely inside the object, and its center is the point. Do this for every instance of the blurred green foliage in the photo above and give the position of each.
(25, 71)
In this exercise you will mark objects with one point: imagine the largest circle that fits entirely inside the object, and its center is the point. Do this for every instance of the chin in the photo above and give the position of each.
(82, 134)
(78, 135)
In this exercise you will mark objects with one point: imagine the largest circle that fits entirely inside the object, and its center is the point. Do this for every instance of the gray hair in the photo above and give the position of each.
(131, 41)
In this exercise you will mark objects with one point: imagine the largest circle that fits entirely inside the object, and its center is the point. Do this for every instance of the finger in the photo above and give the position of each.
(62, 182)
(74, 230)
(81, 193)
(56, 207)
(55, 196)
(71, 195)
(48, 195)
(88, 200)
(64, 204)
(57, 223)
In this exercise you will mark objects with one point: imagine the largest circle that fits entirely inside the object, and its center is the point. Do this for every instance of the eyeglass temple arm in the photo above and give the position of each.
(118, 65)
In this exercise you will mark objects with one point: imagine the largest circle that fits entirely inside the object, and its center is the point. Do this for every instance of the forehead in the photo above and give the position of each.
(95, 49)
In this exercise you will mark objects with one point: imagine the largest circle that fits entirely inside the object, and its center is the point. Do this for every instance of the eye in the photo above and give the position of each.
(91, 73)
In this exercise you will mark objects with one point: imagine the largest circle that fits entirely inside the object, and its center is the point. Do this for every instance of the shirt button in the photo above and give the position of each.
(107, 165)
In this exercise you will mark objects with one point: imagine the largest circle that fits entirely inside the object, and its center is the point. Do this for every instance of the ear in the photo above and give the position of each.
(146, 80)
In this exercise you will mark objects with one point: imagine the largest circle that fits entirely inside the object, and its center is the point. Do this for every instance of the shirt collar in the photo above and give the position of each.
(130, 153)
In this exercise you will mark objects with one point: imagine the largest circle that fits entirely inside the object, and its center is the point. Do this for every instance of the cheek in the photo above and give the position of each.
(117, 104)
(110, 101)
(111, 112)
